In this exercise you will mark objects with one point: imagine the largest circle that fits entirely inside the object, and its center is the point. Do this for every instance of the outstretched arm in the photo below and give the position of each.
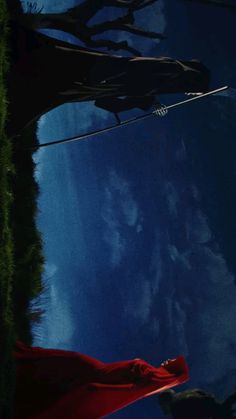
(124, 372)
(116, 105)
(112, 45)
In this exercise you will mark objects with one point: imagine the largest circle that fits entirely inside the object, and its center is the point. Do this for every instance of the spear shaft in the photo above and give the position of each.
(129, 121)
(212, 92)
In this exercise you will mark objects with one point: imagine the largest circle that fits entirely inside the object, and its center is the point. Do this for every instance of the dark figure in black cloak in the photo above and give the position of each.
(50, 72)
(196, 404)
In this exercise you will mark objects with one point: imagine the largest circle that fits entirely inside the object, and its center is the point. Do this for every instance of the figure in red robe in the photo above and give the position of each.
(58, 384)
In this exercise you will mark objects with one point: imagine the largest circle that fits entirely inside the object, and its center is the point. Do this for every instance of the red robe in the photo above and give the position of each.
(58, 384)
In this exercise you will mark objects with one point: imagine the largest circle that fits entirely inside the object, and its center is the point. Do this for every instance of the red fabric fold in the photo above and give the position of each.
(57, 384)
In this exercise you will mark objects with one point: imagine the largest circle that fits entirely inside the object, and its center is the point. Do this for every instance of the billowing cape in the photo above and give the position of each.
(58, 384)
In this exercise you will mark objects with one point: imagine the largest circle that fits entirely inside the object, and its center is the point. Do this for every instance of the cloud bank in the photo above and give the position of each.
(120, 213)
(57, 326)
(202, 310)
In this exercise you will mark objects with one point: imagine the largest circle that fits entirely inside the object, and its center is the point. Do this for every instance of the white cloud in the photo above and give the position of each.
(195, 192)
(57, 324)
(172, 198)
(50, 269)
(128, 206)
(43, 157)
(181, 258)
(71, 119)
(39, 155)
(197, 229)
(203, 318)
(217, 316)
(139, 228)
(120, 210)
(181, 153)
(180, 324)
(117, 244)
(140, 301)
(42, 121)
(173, 252)
(112, 236)
(38, 159)
(130, 211)
(213, 319)
(176, 321)
(156, 265)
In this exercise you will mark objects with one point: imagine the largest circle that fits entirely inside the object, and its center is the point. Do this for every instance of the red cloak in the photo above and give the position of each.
(58, 384)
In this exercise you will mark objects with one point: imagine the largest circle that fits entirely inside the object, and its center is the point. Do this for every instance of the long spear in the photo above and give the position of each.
(217, 3)
(157, 112)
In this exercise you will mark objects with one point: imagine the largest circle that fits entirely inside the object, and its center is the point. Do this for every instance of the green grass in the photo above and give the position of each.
(7, 330)
(21, 257)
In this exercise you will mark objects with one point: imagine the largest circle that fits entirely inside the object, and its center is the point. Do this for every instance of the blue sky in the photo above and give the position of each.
(132, 222)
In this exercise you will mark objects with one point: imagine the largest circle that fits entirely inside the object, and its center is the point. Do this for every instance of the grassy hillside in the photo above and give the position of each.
(7, 331)
(21, 259)
(28, 257)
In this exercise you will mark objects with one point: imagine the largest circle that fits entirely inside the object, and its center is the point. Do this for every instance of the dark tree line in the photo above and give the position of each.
(28, 245)
(76, 22)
